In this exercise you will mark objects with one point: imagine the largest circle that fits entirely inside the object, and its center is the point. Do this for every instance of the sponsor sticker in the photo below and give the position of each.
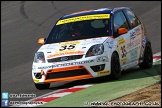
(65, 54)
(124, 59)
(66, 64)
(143, 42)
(82, 18)
(36, 80)
(103, 72)
(102, 59)
(110, 44)
(137, 30)
(134, 53)
(133, 43)
(121, 41)
(67, 48)
(132, 35)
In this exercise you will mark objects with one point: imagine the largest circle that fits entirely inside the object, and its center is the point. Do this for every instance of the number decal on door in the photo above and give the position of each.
(124, 52)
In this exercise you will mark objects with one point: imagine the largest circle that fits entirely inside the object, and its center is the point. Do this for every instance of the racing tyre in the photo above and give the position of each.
(147, 57)
(42, 86)
(115, 66)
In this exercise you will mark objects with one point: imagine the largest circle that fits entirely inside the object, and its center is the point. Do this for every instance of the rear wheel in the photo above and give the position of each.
(115, 66)
(42, 86)
(147, 57)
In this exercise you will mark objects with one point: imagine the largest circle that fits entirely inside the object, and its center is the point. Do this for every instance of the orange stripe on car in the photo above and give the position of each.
(68, 78)
(67, 69)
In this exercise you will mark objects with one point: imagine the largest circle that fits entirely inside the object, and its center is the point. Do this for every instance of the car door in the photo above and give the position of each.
(134, 46)
(123, 40)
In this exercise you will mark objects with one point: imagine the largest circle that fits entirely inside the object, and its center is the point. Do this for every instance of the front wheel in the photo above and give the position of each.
(42, 86)
(147, 57)
(115, 66)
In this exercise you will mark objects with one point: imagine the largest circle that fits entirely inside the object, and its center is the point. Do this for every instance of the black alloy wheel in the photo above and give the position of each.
(115, 66)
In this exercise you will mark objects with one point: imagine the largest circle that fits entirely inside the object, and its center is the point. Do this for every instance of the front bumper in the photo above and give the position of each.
(71, 70)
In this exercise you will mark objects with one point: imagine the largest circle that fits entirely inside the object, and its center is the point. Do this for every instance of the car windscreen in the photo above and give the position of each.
(76, 30)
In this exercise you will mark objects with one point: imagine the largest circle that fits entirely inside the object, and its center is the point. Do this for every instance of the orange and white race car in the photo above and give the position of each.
(90, 44)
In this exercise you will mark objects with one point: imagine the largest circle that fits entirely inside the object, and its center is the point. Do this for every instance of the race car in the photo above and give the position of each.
(92, 43)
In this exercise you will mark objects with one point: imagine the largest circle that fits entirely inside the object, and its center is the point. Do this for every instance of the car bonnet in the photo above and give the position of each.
(77, 47)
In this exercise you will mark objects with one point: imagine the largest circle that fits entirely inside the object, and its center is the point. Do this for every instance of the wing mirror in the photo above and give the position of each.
(41, 41)
(122, 31)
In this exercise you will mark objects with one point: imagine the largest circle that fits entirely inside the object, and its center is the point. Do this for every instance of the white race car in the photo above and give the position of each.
(91, 43)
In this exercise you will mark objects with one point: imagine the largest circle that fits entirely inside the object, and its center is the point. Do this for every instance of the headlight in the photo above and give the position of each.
(95, 50)
(39, 57)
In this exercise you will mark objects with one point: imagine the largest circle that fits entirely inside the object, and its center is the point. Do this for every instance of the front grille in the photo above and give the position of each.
(64, 74)
(59, 59)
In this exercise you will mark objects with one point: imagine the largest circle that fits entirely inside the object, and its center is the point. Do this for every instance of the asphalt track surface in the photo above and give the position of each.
(24, 22)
